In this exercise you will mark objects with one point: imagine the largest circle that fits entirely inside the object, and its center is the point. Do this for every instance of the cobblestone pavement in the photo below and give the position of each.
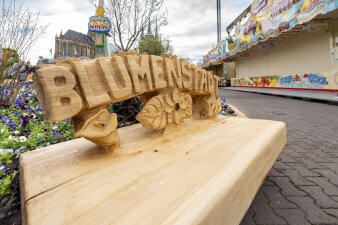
(302, 186)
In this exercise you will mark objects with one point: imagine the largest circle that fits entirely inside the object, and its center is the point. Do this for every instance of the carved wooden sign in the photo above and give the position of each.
(171, 89)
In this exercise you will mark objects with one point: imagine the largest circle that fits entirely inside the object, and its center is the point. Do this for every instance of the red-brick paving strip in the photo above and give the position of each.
(302, 186)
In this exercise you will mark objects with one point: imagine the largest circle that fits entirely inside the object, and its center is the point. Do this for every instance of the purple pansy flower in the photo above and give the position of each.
(55, 133)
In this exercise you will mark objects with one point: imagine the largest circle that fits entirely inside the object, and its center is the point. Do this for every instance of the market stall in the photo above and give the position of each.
(286, 44)
(215, 61)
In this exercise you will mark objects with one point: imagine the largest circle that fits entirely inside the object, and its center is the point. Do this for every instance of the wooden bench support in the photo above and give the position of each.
(205, 172)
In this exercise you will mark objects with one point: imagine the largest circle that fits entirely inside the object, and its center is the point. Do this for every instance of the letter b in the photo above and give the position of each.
(55, 87)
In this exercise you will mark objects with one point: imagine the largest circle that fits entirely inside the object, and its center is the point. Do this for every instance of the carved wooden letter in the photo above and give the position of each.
(157, 70)
(172, 74)
(210, 82)
(187, 75)
(204, 81)
(197, 76)
(91, 83)
(216, 79)
(139, 68)
(117, 77)
(58, 99)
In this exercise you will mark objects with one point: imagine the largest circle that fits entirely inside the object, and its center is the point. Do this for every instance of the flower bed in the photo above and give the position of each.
(23, 128)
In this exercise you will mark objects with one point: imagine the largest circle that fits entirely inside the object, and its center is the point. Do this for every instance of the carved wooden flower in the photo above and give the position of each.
(163, 109)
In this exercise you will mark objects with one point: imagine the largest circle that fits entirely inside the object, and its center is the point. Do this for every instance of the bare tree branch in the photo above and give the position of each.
(19, 31)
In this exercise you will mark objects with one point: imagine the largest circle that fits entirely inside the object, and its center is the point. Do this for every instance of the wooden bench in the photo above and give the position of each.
(205, 172)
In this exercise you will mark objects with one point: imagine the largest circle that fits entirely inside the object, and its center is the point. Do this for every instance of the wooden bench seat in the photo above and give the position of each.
(205, 172)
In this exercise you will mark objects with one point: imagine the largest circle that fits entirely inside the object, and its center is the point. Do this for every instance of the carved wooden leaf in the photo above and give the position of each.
(100, 125)
(153, 115)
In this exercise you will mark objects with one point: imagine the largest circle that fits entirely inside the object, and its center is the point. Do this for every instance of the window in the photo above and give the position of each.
(57, 48)
(70, 50)
(64, 49)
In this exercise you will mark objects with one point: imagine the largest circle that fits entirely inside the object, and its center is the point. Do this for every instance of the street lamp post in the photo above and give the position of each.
(218, 21)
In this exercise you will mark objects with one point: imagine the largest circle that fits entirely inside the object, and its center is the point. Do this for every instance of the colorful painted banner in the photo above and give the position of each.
(99, 23)
(303, 81)
(273, 17)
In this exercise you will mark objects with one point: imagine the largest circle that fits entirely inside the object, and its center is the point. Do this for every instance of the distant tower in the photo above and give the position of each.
(149, 28)
(142, 35)
(149, 33)
(156, 31)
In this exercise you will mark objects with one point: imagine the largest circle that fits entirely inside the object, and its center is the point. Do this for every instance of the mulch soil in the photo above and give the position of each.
(10, 213)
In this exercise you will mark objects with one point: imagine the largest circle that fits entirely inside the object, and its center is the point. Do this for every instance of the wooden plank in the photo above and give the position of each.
(205, 172)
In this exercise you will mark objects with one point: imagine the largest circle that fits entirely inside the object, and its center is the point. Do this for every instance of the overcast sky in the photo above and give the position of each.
(192, 24)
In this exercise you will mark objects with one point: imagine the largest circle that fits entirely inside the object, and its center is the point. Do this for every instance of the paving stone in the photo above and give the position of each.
(324, 183)
(314, 214)
(263, 213)
(332, 159)
(322, 154)
(335, 153)
(296, 178)
(281, 165)
(274, 173)
(276, 199)
(267, 182)
(302, 169)
(321, 198)
(293, 216)
(314, 157)
(310, 164)
(332, 212)
(332, 166)
(287, 188)
(292, 153)
(333, 177)
(284, 157)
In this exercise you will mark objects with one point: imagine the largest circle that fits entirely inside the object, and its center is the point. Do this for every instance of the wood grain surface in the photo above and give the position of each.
(200, 172)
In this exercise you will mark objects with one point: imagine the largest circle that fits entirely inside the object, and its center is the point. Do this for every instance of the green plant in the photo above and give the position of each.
(5, 158)
(5, 183)
(155, 46)
(230, 40)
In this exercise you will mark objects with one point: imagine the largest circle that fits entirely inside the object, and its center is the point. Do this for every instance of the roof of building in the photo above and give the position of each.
(71, 34)
(113, 48)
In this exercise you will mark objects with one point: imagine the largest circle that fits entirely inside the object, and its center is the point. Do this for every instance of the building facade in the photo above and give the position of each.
(290, 45)
(74, 44)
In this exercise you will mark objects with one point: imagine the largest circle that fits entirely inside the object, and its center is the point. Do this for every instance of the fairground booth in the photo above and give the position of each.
(286, 44)
(215, 61)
